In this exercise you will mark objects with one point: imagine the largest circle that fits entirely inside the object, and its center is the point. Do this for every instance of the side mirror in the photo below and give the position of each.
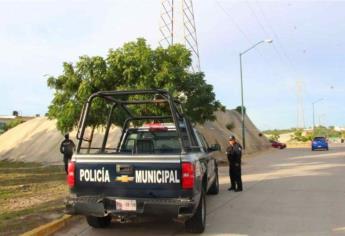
(214, 148)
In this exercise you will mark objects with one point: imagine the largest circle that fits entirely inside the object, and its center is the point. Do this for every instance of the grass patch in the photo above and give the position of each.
(30, 195)
(17, 222)
(11, 164)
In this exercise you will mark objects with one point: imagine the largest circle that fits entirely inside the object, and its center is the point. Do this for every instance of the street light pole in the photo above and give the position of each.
(319, 100)
(242, 102)
(242, 107)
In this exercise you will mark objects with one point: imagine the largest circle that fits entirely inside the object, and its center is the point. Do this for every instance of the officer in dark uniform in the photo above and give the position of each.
(67, 148)
(234, 153)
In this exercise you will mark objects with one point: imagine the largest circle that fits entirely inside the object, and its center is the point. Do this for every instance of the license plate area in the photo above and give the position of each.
(126, 205)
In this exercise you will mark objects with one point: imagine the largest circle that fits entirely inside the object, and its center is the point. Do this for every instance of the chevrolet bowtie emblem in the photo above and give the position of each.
(124, 178)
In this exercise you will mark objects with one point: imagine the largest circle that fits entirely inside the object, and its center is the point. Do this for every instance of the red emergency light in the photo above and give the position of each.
(156, 127)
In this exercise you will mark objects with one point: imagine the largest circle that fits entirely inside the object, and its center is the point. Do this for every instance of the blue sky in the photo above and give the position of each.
(309, 46)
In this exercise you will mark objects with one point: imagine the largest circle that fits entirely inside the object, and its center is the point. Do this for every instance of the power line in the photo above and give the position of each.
(234, 22)
(276, 37)
(264, 30)
(244, 34)
(299, 84)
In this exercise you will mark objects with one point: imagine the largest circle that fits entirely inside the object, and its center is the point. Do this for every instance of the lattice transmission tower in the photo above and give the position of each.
(172, 21)
(166, 26)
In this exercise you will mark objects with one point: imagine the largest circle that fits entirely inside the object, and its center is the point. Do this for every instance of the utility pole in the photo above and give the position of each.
(242, 108)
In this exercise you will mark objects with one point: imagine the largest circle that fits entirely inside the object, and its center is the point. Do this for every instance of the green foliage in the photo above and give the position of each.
(13, 123)
(239, 109)
(327, 132)
(342, 134)
(302, 137)
(275, 135)
(133, 66)
(2, 127)
(279, 131)
(230, 126)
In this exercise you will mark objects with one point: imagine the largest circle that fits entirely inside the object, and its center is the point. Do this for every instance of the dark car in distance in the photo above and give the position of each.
(276, 144)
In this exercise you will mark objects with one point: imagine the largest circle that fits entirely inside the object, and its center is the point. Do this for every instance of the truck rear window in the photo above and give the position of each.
(147, 142)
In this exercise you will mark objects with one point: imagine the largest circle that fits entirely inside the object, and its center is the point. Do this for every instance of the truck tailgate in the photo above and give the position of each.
(121, 176)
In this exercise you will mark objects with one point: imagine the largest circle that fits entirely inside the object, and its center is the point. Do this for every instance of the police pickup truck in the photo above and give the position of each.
(160, 166)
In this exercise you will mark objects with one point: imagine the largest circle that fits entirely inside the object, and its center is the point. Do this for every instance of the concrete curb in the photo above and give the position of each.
(49, 228)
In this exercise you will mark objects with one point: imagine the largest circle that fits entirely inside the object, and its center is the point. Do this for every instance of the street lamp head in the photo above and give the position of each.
(268, 41)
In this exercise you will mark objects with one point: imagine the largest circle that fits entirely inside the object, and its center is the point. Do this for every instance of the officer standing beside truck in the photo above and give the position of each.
(234, 154)
(67, 148)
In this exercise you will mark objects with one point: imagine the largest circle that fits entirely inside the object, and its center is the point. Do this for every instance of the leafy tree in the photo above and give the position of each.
(275, 135)
(342, 135)
(298, 136)
(133, 66)
(239, 109)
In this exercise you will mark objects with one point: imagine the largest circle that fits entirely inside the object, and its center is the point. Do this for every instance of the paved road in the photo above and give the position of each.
(286, 192)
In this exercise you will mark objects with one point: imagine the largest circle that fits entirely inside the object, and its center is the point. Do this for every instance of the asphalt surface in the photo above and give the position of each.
(286, 192)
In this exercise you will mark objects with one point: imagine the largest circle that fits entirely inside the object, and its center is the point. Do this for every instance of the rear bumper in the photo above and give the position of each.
(180, 208)
(315, 147)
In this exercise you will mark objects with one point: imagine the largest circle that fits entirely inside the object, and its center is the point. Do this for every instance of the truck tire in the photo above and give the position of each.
(197, 223)
(214, 189)
(98, 222)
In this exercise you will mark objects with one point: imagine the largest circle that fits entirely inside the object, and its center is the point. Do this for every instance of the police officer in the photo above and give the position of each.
(66, 148)
(234, 153)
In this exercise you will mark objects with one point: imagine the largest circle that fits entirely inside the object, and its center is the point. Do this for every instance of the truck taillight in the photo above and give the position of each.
(70, 174)
(188, 175)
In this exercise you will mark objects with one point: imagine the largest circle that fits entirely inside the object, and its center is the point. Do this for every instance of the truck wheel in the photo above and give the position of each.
(98, 222)
(214, 189)
(197, 223)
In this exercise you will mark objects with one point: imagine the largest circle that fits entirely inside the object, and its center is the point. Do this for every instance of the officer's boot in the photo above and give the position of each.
(239, 186)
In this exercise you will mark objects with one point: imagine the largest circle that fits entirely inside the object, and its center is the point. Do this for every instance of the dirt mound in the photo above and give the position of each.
(216, 132)
(38, 140)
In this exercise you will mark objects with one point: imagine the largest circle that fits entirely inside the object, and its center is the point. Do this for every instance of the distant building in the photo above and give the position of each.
(336, 128)
(6, 119)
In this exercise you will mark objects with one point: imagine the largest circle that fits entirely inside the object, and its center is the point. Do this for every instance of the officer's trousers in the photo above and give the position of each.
(232, 176)
(66, 159)
(235, 174)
